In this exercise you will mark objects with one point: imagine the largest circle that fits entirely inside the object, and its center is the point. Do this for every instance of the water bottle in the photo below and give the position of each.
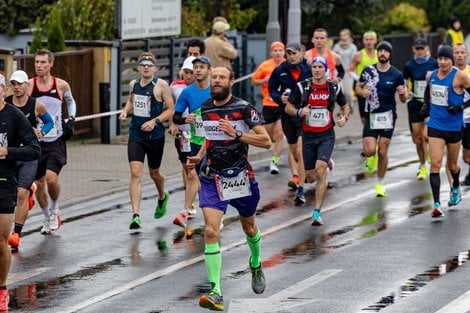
(287, 92)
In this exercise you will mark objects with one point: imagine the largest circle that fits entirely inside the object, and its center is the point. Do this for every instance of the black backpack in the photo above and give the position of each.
(306, 88)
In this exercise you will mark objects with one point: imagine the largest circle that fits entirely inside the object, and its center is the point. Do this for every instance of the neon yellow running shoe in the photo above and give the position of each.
(380, 190)
(423, 172)
(371, 164)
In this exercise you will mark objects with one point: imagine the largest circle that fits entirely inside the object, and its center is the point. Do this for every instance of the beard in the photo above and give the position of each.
(221, 94)
(384, 60)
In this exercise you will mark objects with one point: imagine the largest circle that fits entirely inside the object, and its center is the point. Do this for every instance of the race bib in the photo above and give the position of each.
(213, 131)
(439, 95)
(185, 143)
(383, 120)
(318, 117)
(199, 127)
(142, 105)
(419, 88)
(233, 187)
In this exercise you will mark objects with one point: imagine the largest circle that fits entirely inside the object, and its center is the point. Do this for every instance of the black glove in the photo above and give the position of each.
(454, 109)
(424, 112)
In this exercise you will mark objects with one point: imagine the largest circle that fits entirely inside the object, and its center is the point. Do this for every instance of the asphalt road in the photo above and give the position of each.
(372, 254)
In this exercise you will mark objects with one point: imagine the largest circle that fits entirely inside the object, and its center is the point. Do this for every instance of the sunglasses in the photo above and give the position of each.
(146, 64)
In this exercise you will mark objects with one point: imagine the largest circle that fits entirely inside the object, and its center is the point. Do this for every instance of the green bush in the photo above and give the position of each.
(55, 34)
(403, 18)
(36, 44)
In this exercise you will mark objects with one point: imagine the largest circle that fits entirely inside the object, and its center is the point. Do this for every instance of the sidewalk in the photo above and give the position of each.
(95, 170)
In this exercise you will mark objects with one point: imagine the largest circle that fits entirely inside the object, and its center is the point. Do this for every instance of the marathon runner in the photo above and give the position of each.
(445, 95)
(415, 71)
(191, 99)
(320, 42)
(227, 178)
(17, 143)
(148, 94)
(460, 61)
(283, 80)
(271, 110)
(378, 84)
(26, 171)
(317, 97)
(54, 93)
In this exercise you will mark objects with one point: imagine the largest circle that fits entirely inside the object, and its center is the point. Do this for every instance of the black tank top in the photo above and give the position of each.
(29, 109)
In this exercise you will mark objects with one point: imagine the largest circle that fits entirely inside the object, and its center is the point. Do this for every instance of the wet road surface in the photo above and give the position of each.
(382, 254)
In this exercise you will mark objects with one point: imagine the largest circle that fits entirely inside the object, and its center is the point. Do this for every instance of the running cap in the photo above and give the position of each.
(188, 63)
(203, 59)
(385, 45)
(219, 27)
(321, 60)
(420, 43)
(2, 81)
(370, 33)
(19, 76)
(277, 44)
(446, 52)
(293, 47)
(147, 57)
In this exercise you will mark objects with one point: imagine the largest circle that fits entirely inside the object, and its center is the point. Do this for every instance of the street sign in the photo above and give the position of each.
(150, 18)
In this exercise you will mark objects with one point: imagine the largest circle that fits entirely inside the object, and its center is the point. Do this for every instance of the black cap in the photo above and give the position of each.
(446, 52)
(420, 43)
(385, 45)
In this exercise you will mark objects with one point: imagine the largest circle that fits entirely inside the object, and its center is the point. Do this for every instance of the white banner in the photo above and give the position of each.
(150, 18)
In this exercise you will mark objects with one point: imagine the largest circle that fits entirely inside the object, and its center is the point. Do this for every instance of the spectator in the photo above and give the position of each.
(454, 33)
(219, 50)
(346, 50)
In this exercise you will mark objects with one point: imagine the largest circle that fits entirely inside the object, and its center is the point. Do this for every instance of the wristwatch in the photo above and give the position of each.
(157, 120)
(238, 134)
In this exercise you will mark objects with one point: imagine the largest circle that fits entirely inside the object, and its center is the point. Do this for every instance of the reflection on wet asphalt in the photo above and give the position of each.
(420, 280)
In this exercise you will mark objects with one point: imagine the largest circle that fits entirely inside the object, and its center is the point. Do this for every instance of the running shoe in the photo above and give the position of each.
(299, 197)
(135, 223)
(380, 190)
(423, 172)
(331, 164)
(455, 196)
(437, 212)
(160, 210)
(273, 168)
(192, 211)
(55, 220)
(316, 218)
(181, 219)
(258, 282)
(46, 227)
(32, 191)
(14, 240)
(212, 301)
(4, 300)
(466, 181)
(293, 183)
(371, 164)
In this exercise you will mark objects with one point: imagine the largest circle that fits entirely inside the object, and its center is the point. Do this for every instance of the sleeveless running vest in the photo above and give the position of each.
(443, 96)
(146, 107)
(330, 62)
(366, 61)
(457, 37)
(54, 103)
(29, 109)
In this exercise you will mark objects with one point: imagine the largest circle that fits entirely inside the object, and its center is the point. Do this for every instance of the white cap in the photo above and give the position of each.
(19, 76)
(188, 63)
(220, 27)
(2, 81)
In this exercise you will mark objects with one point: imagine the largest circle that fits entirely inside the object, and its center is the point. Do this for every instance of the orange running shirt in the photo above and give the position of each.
(264, 70)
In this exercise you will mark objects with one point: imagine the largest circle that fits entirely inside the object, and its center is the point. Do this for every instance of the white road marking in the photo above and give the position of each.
(459, 305)
(16, 277)
(283, 299)
(183, 264)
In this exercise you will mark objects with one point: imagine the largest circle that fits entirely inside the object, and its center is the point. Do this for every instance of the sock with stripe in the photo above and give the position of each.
(213, 265)
(254, 243)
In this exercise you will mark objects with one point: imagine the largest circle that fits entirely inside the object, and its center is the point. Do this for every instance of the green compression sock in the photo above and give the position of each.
(254, 243)
(213, 260)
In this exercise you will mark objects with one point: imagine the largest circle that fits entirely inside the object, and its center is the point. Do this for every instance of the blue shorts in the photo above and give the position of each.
(209, 198)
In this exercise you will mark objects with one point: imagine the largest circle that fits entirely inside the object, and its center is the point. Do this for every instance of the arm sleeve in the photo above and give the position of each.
(273, 86)
(340, 70)
(48, 123)
(71, 105)
(178, 118)
(30, 150)
(340, 98)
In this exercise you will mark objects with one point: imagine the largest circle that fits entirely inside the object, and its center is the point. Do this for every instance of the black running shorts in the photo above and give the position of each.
(136, 151)
(447, 136)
